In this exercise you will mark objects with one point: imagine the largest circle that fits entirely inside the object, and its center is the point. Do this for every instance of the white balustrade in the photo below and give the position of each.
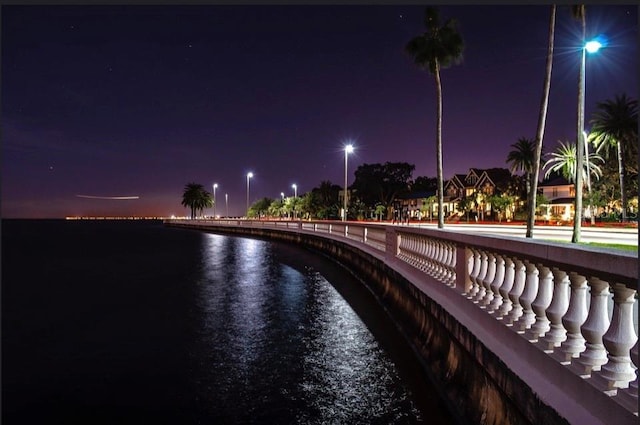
(534, 294)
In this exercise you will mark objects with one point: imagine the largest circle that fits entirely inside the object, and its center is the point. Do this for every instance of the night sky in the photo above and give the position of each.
(137, 101)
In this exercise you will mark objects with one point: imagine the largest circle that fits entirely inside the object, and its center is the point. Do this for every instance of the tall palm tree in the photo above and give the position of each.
(196, 197)
(564, 160)
(437, 48)
(531, 194)
(578, 13)
(615, 125)
(521, 159)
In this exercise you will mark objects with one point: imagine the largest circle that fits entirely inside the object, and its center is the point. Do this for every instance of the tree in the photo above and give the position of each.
(564, 161)
(424, 184)
(260, 207)
(466, 205)
(196, 197)
(521, 159)
(382, 183)
(615, 125)
(437, 48)
(533, 190)
(500, 204)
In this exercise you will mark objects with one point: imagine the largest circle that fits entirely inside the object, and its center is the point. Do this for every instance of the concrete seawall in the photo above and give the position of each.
(477, 384)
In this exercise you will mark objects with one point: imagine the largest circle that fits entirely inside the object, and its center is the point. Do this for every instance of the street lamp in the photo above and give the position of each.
(215, 186)
(282, 196)
(226, 201)
(347, 150)
(591, 47)
(295, 195)
(249, 175)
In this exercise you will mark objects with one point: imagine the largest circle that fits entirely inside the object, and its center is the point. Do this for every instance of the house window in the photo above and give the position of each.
(572, 191)
(554, 192)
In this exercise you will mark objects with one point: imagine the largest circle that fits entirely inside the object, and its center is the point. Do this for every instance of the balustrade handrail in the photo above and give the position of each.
(615, 265)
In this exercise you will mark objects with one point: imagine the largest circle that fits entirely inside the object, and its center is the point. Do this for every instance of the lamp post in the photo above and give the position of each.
(295, 195)
(282, 196)
(591, 46)
(249, 175)
(347, 150)
(215, 186)
(226, 201)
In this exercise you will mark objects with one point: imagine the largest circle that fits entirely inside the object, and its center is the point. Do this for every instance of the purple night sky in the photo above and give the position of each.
(140, 100)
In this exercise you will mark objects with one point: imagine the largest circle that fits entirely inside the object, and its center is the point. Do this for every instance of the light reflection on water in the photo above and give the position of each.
(279, 343)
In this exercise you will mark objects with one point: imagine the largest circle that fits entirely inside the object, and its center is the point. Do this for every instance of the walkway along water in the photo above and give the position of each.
(514, 331)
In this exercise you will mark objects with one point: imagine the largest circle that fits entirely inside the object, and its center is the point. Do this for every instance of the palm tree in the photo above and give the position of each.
(437, 48)
(615, 125)
(578, 13)
(196, 197)
(521, 158)
(564, 161)
(531, 194)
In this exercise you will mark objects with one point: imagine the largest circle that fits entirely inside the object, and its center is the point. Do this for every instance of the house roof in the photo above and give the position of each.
(418, 194)
(555, 181)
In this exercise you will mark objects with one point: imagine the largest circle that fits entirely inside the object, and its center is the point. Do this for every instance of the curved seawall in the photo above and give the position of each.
(479, 386)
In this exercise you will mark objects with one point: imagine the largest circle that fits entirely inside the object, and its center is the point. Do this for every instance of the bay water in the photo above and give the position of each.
(118, 322)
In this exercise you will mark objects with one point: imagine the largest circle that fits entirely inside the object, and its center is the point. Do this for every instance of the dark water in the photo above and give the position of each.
(115, 322)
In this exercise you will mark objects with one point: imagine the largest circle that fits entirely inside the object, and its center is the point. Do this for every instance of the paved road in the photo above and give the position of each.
(558, 233)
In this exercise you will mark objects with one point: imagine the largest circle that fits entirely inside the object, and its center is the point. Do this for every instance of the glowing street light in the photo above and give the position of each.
(282, 196)
(347, 150)
(215, 186)
(591, 47)
(249, 175)
(295, 190)
(226, 201)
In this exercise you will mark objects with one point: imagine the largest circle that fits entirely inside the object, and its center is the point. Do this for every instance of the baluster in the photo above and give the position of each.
(451, 265)
(497, 282)
(559, 305)
(475, 256)
(540, 304)
(437, 270)
(594, 355)
(411, 246)
(423, 253)
(628, 397)
(428, 254)
(516, 292)
(443, 274)
(528, 295)
(573, 320)
(505, 288)
(479, 280)
(486, 282)
(618, 340)
(446, 269)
